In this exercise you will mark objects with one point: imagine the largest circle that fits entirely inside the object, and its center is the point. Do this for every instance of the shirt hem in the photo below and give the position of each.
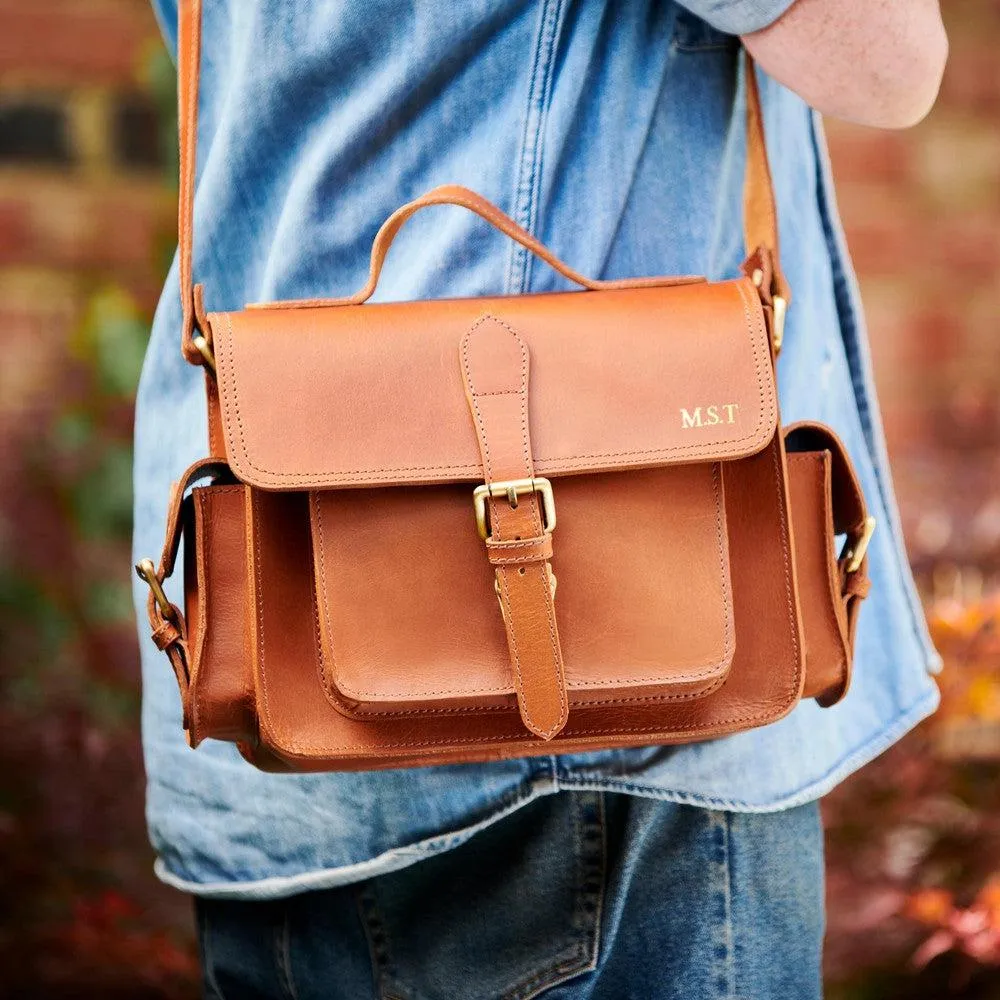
(847, 765)
(280, 886)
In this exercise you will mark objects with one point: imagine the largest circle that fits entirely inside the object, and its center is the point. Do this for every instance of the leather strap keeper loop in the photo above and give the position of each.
(165, 634)
(518, 551)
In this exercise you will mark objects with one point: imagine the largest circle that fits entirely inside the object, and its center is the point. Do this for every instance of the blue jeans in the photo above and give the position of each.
(577, 896)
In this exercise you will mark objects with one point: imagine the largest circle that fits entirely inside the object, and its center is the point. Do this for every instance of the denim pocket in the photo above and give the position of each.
(692, 34)
(245, 949)
(505, 916)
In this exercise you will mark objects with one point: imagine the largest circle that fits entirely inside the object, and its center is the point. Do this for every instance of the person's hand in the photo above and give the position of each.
(876, 62)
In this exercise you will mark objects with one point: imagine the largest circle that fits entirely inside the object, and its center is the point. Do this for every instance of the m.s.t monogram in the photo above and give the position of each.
(709, 416)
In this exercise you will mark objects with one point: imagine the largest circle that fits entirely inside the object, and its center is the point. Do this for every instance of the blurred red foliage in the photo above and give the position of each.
(913, 840)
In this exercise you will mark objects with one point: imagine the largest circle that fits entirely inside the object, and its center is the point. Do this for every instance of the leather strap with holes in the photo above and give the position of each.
(495, 364)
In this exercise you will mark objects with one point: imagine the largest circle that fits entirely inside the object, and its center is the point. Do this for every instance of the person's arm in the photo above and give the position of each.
(876, 62)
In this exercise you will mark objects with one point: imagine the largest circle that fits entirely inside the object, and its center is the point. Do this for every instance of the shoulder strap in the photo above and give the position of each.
(760, 223)
(188, 71)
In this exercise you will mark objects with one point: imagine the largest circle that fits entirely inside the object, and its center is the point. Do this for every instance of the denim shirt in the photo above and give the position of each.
(614, 132)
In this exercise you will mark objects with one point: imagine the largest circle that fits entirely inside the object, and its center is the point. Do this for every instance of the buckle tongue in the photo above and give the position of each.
(512, 489)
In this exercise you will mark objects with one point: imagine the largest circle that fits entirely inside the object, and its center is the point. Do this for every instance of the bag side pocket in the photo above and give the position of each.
(222, 700)
(826, 501)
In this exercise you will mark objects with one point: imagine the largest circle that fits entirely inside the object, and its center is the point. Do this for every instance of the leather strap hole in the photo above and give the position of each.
(521, 571)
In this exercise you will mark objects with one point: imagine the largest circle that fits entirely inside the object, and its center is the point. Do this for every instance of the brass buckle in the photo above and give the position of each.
(512, 489)
(147, 573)
(856, 547)
(779, 306)
(205, 350)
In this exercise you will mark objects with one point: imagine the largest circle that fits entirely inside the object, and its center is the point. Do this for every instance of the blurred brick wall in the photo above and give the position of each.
(86, 232)
(922, 213)
(82, 193)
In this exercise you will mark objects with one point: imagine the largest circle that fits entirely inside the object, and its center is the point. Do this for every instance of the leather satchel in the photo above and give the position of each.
(445, 531)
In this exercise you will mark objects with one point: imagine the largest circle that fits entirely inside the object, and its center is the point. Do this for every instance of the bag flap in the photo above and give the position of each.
(348, 396)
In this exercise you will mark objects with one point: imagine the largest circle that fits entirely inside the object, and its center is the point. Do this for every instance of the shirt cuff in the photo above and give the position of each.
(738, 17)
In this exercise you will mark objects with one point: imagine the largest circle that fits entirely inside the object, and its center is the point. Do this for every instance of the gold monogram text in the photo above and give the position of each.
(709, 416)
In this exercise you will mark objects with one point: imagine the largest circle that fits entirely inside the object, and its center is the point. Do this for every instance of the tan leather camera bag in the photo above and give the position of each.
(445, 531)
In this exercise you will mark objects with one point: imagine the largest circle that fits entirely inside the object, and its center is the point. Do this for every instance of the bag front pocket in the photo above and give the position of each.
(409, 615)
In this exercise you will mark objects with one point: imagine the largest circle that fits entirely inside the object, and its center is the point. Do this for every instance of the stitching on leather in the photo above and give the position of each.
(314, 503)
(540, 571)
(197, 648)
(833, 582)
(328, 675)
(329, 678)
(359, 693)
(582, 702)
(259, 659)
(833, 588)
(389, 713)
(522, 701)
(522, 560)
(783, 515)
(700, 691)
(205, 495)
(697, 692)
(728, 612)
(718, 726)
(765, 393)
(709, 665)
(641, 699)
(321, 668)
(516, 543)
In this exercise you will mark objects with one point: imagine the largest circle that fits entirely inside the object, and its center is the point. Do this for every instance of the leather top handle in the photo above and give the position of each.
(760, 224)
(462, 197)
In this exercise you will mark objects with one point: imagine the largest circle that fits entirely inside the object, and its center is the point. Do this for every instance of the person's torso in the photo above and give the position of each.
(613, 131)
